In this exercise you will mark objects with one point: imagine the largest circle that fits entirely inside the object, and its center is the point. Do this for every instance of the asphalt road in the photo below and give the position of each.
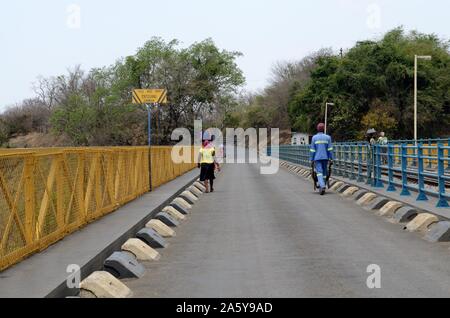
(272, 236)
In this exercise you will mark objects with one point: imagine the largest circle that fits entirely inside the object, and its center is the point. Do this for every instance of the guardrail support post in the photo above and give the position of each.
(420, 174)
(352, 159)
(337, 162)
(29, 195)
(405, 190)
(369, 164)
(448, 155)
(442, 203)
(343, 161)
(391, 186)
(430, 162)
(360, 176)
(379, 182)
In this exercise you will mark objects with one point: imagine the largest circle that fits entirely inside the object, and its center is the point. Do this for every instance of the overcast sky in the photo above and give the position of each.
(46, 37)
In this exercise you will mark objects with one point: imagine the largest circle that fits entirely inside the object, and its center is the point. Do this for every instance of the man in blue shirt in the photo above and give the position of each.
(321, 152)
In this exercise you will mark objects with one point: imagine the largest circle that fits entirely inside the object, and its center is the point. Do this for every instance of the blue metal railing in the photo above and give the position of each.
(422, 167)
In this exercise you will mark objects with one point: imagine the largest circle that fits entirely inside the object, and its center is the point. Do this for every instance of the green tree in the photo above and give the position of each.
(373, 84)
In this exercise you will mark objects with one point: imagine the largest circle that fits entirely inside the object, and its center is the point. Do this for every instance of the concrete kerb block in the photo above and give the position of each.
(332, 182)
(195, 191)
(102, 284)
(343, 188)
(152, 238)
(336, 186)
(366, 199)
(350, 191)
(189, 195)
(187, 199)
(124, 265)
(358, 194)
(376, 204)
(161, 228)
(167, 219)
(182, 203)
(405, 215)
(439, 232)
(389, 209)
(174, 213)
(140, 250)
(179, 208)
(199, 186)
(421, 222)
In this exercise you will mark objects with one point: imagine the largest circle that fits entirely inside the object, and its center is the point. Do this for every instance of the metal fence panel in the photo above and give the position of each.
(422, 166)
(45, 194)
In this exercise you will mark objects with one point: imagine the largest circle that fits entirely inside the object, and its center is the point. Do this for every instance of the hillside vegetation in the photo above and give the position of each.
(371, 85)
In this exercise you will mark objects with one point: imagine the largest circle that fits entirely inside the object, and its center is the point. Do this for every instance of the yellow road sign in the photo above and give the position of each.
(149, 96)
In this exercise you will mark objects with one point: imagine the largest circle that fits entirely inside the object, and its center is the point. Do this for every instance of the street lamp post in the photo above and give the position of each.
(326, 115)
(416, 58)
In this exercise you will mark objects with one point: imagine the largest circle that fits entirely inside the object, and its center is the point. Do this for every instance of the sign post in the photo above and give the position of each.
(149, 98)
(149, 113)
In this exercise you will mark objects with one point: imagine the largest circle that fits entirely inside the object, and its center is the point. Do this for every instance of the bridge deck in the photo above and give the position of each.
(271, 236)
(40, 274)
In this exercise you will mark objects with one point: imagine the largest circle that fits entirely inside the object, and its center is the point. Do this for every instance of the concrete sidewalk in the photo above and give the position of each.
(42, 273)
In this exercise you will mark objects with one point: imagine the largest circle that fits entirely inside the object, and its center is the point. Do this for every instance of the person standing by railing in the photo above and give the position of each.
(382, 142)
(371, 135)
(321, 150)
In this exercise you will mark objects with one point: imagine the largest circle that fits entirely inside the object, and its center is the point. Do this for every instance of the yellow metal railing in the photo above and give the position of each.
(45, 194)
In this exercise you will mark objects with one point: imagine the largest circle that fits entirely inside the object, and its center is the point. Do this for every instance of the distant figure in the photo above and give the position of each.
(371, 135)
(207, 164)
(383, 141)
(321, 152)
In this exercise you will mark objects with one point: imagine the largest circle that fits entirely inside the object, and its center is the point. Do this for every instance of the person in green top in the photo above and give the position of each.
(383, 141)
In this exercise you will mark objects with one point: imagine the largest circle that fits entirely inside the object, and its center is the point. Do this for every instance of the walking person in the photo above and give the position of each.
(207, 164)
(321, 153)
